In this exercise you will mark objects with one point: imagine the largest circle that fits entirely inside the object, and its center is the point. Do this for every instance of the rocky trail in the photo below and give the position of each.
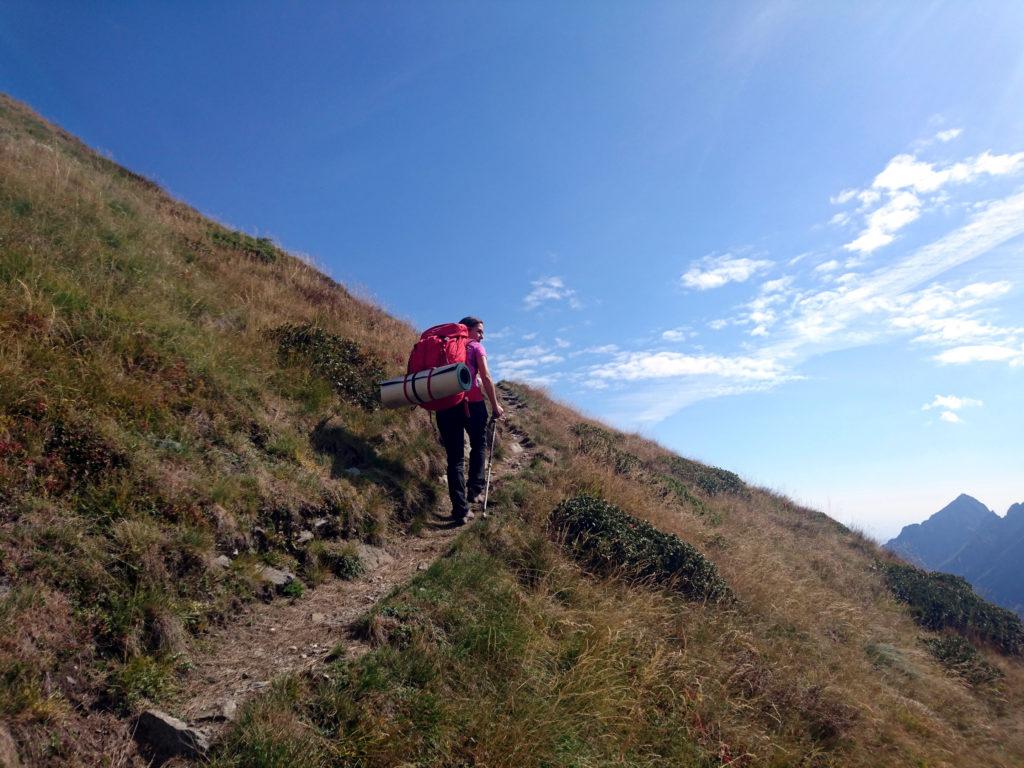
(233, 663)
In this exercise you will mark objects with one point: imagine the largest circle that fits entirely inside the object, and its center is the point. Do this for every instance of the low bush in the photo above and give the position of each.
(259, 248)
(960, 657)
(343, 560)
(352, 372)
(605, 539)
(711, 480)
(944, 601)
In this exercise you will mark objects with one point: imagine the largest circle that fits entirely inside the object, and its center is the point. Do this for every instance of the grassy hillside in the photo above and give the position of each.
(171, 390)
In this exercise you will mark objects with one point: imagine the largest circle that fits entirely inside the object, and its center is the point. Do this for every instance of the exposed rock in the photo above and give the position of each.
(165, 737)
(8, 749)
(318, 618)
(275, 577)
(515, 448)
(422, 565)
(221, 711)
(372, 557)
(353, 471)
(221, 561)
(304, 537)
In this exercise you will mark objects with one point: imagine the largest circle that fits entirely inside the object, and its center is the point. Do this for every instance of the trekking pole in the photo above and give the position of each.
(490, 459)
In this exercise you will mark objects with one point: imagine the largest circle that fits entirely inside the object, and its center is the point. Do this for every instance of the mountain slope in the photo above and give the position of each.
(966, 539)
(175, 394)
(991, 559)
(942, 535)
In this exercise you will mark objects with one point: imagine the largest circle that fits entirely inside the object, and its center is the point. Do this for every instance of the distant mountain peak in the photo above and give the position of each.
(943, 534)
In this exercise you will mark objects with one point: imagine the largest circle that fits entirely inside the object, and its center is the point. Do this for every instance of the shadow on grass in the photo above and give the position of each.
(356, 460)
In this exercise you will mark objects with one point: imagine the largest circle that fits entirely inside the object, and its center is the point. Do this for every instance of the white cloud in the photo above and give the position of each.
(601, 349)
(636, 366)
(844, 197)
(952, 403)
(980, 353)
(951, 417)
(908, 185)
(550, 289)
(717, 325)
(562, 343)
(774, 286)
(829, 266)
(907, 172)
(900, 210)
(944, 316)
(948, 135)
(678, 334)
(871, 306)
(716, 271)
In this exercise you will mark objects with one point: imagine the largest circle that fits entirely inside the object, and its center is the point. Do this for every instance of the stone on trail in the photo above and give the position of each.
(225, 710)
(372, 557)
(515, 448)
(275, 577)
(318, 618)
(165, 737)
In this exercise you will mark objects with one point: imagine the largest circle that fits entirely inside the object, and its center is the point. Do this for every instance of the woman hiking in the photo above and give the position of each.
(469, 416)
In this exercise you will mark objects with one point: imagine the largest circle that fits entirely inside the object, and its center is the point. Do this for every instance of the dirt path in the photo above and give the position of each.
(234, 662)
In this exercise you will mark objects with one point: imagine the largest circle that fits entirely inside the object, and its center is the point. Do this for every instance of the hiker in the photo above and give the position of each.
(469, 416)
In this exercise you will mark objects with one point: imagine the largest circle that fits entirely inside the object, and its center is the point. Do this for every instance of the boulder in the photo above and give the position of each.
(165, 737)
(276, 577)
(372, 557)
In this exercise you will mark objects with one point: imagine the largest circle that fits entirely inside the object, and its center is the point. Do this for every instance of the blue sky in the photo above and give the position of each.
(782, 238)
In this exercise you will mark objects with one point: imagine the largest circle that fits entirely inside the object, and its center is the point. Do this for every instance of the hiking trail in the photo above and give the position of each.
(234, 662)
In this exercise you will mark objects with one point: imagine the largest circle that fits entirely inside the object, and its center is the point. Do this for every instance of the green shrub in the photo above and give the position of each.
(960, 657)
(141, 677)
(293, 588)
(259, 248)
(607, 540)
(600, 443)
(352, 372)
(711, 480)
(941, 600)
(343, 560)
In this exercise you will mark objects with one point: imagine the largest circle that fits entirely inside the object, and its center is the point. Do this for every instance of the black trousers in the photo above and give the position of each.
(453, 423)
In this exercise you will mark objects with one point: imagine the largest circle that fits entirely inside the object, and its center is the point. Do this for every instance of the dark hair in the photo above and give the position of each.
(471, 322)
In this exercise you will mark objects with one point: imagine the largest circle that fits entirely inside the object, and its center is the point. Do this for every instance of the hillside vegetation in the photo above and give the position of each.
(172, 391)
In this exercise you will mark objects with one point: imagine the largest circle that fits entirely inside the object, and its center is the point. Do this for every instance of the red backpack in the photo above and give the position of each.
(441, 345)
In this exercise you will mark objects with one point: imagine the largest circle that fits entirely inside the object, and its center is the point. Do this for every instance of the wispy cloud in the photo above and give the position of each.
(716, 271)
(907, 186)
(642, 365)
(550, 289)
(948, 135)
(950, 417)
(982, 353)
(678, 334)
(952, 403)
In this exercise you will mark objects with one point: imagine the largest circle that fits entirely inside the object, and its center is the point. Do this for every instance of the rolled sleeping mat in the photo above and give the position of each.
(425, 386)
